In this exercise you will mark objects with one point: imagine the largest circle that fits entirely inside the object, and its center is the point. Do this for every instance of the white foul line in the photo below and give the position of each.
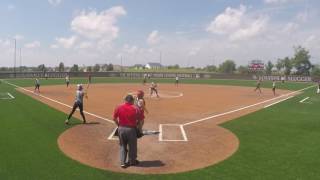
(277, 102)
(246, 107)
(304, 99)
(94, 115)
(160, 132)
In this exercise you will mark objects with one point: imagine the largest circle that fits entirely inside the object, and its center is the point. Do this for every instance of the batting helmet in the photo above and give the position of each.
(140, 94)
(79, 86)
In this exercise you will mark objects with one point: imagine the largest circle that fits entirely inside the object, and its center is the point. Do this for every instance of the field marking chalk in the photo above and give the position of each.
(277, 102)
(58, 102)
(304, 99)
(112, 134)
(172, 140)
(12, 97)
(246, 107)
(8, 96)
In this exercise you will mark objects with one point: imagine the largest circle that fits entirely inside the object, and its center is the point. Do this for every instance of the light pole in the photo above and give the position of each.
(20, 61)
(15, 57)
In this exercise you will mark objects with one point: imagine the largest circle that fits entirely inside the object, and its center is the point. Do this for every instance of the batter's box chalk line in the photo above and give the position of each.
(183, 133)
(6, 95)
(113, 137)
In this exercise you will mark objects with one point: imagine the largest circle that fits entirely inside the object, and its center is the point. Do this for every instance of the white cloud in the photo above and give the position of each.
(5, 42)
(238, 24)
(85, 45)
(228, 21)
(130, 49)
(11, 7)
(290, 27)
(153, 37)
(95, 25)
(18, 37)
(34, 44)
(54, 2)
(302, 16)
(65, 42)
(194, 51)
(278, 1)
(252, 30)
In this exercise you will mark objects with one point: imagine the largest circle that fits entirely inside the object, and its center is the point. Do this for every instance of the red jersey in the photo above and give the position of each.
(127, 114)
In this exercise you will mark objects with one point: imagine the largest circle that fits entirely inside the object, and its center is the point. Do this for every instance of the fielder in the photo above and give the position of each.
(258, 86)
(67, 80)
(144, 79)
(78, 104)
(274, 87)
(153, 89)
(318, 90)
(37, 85)
(89, 78)
(177, 81)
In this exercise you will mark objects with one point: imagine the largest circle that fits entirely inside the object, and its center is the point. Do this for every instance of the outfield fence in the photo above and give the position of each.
(140, 75)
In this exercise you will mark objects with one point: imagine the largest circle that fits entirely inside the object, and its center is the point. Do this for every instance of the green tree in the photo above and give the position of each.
(211, 68)
(96, 68)
(89, 69)
(243, 70)
(227, 66)
(110, 67)
(61, 67)
(75, 68)
(269, 68)
(279, 65)
(42, 68)
(315, 70)
(287, 63)
(301, 61)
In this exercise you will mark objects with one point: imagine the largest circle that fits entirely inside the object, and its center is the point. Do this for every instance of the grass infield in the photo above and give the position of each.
(280, 142)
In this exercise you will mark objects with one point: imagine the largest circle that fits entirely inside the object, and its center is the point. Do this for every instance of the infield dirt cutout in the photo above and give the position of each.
(189, 138)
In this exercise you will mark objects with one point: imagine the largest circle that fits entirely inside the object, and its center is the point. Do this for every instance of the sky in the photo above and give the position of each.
(188, 33)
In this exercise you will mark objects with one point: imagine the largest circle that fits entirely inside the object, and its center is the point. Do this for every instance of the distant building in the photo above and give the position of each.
(138, 66)
(153, 66)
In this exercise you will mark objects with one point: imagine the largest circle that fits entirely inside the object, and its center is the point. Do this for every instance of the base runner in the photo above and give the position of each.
(78, 104)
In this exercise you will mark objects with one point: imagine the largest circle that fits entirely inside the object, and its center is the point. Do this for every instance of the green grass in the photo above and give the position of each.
(280, 142)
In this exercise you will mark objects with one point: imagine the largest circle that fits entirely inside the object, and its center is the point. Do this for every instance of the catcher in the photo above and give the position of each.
(141, 104)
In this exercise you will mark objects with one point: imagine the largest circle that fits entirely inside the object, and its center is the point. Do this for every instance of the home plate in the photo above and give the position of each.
(150, 132)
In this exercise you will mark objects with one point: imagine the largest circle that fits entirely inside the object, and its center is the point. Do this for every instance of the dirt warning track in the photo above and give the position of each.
(186, 116)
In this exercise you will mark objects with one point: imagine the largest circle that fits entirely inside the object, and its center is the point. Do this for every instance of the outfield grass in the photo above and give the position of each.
(280, 142)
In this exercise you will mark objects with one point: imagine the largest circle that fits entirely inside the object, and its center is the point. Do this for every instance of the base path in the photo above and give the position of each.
(184, 143)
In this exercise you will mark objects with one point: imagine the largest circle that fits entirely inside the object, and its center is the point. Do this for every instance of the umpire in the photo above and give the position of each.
(126, 116)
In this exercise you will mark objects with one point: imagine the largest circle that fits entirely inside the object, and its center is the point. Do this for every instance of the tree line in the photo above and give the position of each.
(299, 64)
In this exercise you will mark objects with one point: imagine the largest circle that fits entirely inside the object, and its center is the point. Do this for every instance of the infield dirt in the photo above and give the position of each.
(207, 143)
